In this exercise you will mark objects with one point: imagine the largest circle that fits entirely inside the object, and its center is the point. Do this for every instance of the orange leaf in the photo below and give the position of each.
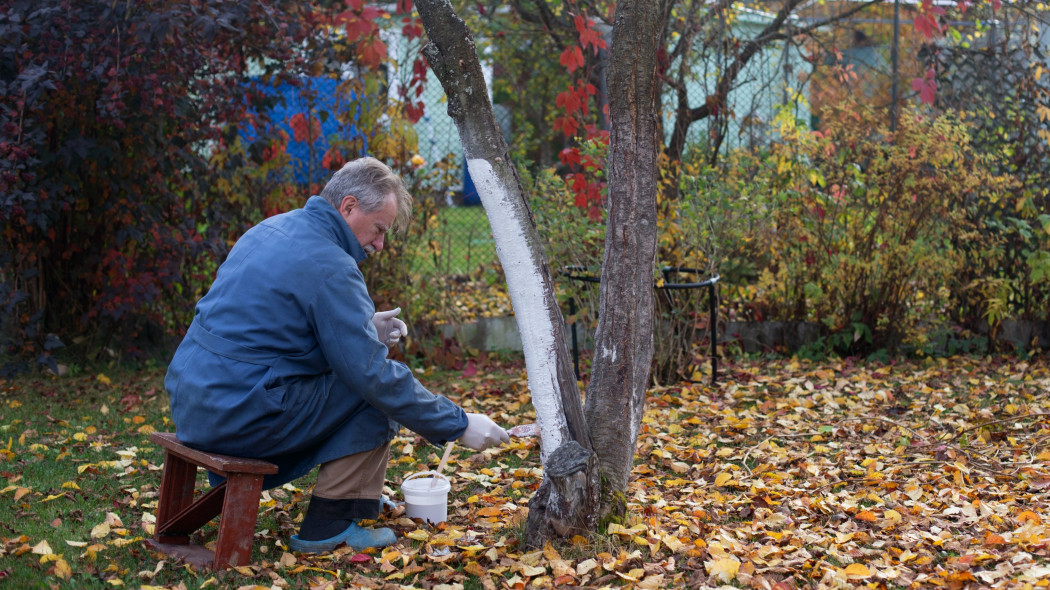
(867, 516)
(994, 539)
(1029, 516)
(857, 570)
(489, 511)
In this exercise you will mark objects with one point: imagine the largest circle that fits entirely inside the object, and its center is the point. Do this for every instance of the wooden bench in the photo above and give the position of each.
(236, 499)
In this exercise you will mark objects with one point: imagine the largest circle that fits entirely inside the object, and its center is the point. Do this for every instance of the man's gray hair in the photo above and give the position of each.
(371, 181)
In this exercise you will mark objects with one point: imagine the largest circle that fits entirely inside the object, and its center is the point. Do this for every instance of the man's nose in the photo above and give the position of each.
(378, 243)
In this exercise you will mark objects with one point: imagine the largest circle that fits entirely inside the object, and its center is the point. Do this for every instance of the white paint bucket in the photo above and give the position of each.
(425, 498)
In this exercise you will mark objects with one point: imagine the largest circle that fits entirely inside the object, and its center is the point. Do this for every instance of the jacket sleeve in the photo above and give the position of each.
(342, 317)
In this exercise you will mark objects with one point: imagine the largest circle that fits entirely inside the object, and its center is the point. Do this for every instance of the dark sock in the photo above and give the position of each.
(327, 518)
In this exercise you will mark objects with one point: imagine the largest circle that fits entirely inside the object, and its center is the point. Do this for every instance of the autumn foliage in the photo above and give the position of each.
(123, 173)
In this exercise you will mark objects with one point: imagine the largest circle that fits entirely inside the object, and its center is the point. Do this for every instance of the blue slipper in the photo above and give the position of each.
(354, 536)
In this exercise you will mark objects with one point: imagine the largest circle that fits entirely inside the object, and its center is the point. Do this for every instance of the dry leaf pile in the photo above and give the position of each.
(787, 474)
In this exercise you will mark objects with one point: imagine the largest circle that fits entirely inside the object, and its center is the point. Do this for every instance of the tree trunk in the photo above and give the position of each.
(623, 348)
(568, 500)
(453, 57)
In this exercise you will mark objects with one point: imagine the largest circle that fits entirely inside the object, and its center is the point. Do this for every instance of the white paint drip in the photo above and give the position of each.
(525, 284)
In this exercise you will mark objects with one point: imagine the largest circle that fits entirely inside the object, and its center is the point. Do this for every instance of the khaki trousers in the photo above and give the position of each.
(354, 477)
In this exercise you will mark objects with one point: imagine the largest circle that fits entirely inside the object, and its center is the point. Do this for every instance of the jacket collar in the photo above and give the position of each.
(335, 226)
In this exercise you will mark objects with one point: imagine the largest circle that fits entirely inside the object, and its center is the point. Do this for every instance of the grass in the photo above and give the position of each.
(79, 488)
(464, 240)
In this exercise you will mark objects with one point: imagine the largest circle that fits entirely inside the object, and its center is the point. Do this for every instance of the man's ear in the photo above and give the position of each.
(347, 204)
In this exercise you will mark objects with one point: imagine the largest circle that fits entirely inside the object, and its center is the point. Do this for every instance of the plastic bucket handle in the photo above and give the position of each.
(414, 475)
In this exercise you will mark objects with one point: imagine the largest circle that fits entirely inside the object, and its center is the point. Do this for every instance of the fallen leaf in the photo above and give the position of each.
(724, 569)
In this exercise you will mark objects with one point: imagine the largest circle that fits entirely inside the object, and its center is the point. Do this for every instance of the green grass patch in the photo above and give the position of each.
(462, 239)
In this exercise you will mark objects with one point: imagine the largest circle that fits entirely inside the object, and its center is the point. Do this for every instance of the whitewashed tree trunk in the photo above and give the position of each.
(570, 498)
(453, 57)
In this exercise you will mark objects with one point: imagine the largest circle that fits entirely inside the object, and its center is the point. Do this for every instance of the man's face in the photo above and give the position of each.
(369, 227)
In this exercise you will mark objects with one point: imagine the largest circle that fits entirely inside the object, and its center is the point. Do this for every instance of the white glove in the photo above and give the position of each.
(482, 433)
(389, 327)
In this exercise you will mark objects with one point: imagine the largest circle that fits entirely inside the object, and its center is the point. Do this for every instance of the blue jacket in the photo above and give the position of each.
(282, 362)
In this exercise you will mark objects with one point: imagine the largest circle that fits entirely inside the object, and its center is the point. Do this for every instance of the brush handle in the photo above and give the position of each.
(444, 459)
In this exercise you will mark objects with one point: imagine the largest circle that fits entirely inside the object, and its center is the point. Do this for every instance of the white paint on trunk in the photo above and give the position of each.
(609, 354)
(531, 306)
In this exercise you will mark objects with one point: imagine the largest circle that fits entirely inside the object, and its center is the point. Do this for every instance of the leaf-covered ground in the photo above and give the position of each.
(787, 474)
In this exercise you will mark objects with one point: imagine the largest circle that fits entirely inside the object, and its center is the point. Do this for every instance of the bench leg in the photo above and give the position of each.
(237, 523)
(176, 494)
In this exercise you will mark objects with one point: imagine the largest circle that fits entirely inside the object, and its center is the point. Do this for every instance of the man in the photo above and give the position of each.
(285, 359)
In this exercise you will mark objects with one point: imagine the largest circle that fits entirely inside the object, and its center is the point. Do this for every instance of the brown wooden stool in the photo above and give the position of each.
(236, 499)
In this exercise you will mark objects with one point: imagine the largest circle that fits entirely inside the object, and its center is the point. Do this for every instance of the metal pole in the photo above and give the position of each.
(575, 347)
(895, 60)
(713, 323)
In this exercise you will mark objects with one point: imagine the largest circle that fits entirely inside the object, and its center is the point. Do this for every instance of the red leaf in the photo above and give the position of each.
(361, 558)
(303, 131)
(568, 101)
(927, 25)
(926, 88)
(471, 369)
(414, 112)
(358, 28)
(570, 156)
(372, 53)
(588, 36)
(412, 31)
(571, 58)
(566, 125)
(333, 159)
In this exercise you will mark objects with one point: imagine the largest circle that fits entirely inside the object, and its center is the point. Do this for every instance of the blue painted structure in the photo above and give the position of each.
(320, 98)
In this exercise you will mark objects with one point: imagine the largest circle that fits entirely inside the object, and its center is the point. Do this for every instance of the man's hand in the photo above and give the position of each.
(482, 433)
(389, 327)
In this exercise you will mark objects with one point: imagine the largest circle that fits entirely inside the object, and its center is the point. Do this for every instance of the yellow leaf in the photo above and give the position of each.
(418, 535)
(722, 479)
(893, 516)
(724, 569)
(585, 567)
(532, 571)
(42, 548)
(70, 485)
(99, 531)
(80, 437)
(103, 379)
(672, 543)
(62, 569)
(856, 570)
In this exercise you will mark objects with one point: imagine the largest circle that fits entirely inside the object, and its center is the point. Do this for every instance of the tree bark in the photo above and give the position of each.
(624, 338)
(453, 57)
